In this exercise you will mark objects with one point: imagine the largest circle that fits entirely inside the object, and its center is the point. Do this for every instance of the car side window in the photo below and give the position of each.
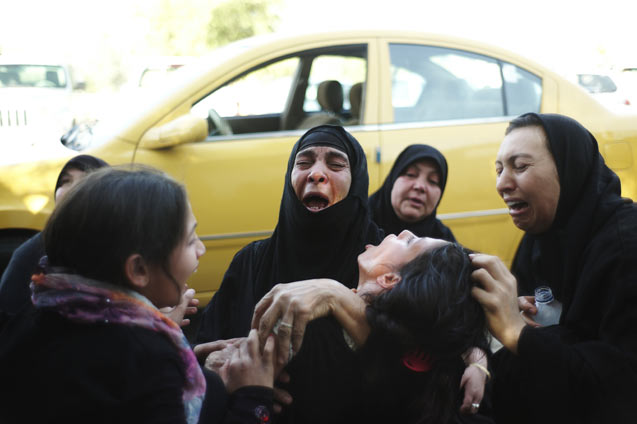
(434, 83)
(347, 70)
(523, 90)
(260, 92)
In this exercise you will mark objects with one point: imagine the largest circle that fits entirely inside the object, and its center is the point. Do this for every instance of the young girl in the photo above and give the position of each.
(95, 348)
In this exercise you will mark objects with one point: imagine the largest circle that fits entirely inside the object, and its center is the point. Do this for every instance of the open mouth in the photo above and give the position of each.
(516, 206)
(315, 202)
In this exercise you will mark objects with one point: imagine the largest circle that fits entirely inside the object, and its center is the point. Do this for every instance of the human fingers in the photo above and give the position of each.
(204, 349)
(261, 307)
(184, 322)
(284, 339)
(527, 303)
(492, 264)
(528, 319)
(282, 396)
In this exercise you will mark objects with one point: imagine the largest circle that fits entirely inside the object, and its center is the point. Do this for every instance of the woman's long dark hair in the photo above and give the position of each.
(430, 311)
(113, 213)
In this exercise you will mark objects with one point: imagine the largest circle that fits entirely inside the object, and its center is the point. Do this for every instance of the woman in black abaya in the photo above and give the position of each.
(581, 241)
(411, 193)
(305, 243)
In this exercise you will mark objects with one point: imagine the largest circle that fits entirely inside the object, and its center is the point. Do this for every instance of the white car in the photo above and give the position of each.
(36, 105)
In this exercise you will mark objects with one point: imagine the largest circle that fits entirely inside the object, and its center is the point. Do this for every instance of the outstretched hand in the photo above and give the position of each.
(497, 293)
(187, 306)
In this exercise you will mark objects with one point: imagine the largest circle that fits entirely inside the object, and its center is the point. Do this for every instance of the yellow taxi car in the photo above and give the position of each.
(225, 127)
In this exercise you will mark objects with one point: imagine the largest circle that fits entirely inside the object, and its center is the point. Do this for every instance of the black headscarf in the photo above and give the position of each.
(304, 244)
(14, 285)
(326, 243)
(82, 163)
(380, 202)
(589, 193)
(587, 365)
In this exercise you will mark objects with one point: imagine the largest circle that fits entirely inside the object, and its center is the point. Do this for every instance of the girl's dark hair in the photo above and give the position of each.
(431, 311)
(111, 214)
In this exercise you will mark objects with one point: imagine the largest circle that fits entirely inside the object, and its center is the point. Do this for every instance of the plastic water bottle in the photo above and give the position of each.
(549, 309)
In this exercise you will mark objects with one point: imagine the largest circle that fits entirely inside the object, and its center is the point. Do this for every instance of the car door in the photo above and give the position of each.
(235, 177)
(459, 102)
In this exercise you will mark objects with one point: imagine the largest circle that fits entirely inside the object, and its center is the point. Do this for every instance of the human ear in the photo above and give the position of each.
(136, 270)
(388, 280)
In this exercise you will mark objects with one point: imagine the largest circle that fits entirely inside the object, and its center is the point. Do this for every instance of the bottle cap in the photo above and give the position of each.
(543, 294)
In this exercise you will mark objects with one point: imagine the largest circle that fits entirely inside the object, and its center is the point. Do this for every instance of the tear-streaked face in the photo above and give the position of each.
(321, 177)
(527, 179)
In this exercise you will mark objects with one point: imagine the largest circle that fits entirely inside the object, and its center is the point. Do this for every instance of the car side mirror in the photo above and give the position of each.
(185, 129)
(80, 85)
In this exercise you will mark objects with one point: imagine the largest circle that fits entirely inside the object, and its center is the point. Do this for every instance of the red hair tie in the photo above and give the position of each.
(417, 361)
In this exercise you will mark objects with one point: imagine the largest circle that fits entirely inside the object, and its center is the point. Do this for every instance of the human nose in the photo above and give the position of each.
(201, 248)
(504, 182)
(317, 174)
(405, 234)
(420, 184)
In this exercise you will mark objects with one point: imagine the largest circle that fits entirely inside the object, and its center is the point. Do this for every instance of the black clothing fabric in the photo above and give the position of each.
(584, 369)
(14, 286)
(249, 404)
(304, 244)
(382, 210)
(57, 370)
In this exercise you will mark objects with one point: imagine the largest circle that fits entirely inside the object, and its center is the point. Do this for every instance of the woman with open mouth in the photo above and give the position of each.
(581, 241)
(324, 223)
(411, 193)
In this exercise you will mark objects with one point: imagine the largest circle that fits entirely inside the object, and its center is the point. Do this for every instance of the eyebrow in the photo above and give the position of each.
(306, 153)
(335, 154)
(512, 158)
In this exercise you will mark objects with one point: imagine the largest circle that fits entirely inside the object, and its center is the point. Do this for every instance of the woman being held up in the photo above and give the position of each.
(95, 348)
(411, 193)
(407, 341)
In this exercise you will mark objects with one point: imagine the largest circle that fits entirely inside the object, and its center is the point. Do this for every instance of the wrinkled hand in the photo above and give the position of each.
(187, 306)
(528, 310)
(216, 356)
(497, 293)
(473, 380)
(292, 306)
(248, 366)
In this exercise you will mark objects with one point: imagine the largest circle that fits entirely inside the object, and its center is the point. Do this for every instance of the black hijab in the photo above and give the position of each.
(589, 194)
(326, 243)
(380, 202)
(82, 163)
(304, 244)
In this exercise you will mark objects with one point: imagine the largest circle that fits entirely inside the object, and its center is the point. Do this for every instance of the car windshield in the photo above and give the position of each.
(46, 76)
(595, 83)
(125, 107)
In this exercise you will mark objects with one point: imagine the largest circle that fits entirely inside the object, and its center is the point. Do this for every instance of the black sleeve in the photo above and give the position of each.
(250, 404)
(229, 313)
(14, 286)
(579, 377)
